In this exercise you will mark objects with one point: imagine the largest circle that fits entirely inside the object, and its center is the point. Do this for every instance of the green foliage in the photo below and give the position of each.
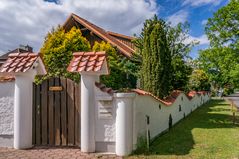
(122, 70)
(199, 81)
(58, 49)
(181, 74)
(221, 65)
(223, 28)
(156, 71)
(177, 70)
(141, 146)
(221, 60)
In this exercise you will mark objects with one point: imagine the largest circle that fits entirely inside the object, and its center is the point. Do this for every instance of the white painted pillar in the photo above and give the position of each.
(23, 110)
(88, 112)
(124, 123)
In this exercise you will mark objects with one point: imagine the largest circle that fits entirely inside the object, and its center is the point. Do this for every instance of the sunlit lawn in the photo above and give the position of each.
(206, 133)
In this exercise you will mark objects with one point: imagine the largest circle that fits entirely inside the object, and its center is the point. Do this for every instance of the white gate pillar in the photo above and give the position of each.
(90, 65)
(88, 113)
(23, 110)
(24, 66)
(124, 123)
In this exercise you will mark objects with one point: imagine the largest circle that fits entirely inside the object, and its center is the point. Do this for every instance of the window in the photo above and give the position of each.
(159, 107)
(181, 98)
(180, 108)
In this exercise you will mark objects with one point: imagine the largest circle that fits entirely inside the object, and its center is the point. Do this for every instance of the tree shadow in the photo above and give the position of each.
(179, 140)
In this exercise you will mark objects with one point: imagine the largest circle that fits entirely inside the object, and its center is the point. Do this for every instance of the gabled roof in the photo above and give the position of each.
(20, 62)
(88, 62)
(106, 36)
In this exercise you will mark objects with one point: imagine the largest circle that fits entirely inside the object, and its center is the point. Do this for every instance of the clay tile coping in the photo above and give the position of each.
(103, 88)
(17, 62)
(7, 78)
(171, 98)
(95, 58)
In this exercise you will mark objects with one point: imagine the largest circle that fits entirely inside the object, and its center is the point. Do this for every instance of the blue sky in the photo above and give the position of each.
(197, 14)
(28, 21)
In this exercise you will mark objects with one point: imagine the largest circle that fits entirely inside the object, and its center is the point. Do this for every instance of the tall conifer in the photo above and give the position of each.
(156, 69)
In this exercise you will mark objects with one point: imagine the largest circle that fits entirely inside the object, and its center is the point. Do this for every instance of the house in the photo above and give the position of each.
(95, 33)
(21, 49)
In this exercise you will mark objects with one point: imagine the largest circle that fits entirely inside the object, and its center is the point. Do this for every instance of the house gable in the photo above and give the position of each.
(94, 33)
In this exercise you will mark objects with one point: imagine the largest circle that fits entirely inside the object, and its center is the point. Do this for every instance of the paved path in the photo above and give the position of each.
(235, 98)
(50, 153)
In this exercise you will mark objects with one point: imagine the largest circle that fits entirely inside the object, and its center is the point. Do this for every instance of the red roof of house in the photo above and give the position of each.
(18, 62)
(87, 61)
(123, 48)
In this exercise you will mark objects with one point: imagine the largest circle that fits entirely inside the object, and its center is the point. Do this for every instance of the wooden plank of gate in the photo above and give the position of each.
(71, 115)
(63, 113)
(38, 116)
(77, 114)
(57, 114)
(51, 113)
(34, 114)
(44, 95)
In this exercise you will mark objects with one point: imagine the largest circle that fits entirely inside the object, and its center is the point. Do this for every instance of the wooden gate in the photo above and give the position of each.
(56, 113)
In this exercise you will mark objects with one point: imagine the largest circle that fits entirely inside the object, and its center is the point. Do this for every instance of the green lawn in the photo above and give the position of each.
(206, 133)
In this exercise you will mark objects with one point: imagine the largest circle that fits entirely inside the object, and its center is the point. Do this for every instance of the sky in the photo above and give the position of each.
(28, 21)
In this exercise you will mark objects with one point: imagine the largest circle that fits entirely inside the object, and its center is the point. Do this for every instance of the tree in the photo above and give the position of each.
(121, 69)
(58, 48)
(221, 59)
(156, 70)
(223, 28)
(219, 63)
(179, 52)
(199, 81)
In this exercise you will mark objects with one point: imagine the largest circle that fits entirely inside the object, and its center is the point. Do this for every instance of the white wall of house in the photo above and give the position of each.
(6, 113)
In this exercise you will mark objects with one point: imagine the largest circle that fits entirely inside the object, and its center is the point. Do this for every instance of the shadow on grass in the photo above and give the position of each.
(179, 140)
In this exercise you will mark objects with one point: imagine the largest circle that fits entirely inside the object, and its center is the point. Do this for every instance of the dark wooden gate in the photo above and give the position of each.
(56, 113)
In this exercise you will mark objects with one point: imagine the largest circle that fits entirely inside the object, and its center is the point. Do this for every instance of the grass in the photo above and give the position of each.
(207, 133)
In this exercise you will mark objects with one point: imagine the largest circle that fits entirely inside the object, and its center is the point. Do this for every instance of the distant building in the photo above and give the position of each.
(21, 49)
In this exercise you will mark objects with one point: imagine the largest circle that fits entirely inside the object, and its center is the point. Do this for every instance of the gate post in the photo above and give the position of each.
(88, 113)
(24, 66)
(124, 123)
(90, 65)
(23, 110)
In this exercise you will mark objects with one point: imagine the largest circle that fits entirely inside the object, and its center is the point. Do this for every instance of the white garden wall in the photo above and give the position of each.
(158, 113)
(6, 113)
(121, 118)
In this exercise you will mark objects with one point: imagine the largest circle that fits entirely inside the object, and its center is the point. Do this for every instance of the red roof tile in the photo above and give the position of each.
(7, 78)
(17, 62)
(103, 88)
(142, 92)
(87, 61)
(171, 98)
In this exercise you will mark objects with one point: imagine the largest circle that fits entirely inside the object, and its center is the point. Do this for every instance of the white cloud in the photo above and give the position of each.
(203, 40)
(28, 21)
(178, 17)
(197, 3)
